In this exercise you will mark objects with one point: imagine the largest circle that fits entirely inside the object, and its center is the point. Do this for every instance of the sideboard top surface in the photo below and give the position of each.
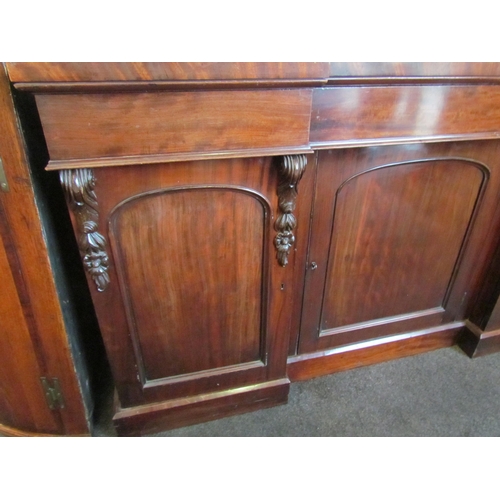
(26, 72)
(156, 71)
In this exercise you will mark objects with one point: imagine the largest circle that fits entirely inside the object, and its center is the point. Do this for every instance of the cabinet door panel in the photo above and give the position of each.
(193, 288)
(397, 235)
(196, 301)
(390, 230)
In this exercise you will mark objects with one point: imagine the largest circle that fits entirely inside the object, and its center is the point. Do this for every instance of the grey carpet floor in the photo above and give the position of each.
(441, 393)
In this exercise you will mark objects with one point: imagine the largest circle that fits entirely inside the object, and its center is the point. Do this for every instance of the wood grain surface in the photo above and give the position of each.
(394, 243)
(320, 363)
(353, 114)
(144, 71)
(413, 69)
(113, 71)
(46, 352)
(113, 125)
(196, 301)
(157, 417)
(391, 228)
(391, 239)
(22, 400)
(194, 288)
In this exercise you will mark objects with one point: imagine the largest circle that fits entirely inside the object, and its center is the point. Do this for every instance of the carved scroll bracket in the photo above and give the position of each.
(290, 171)
(79, 186)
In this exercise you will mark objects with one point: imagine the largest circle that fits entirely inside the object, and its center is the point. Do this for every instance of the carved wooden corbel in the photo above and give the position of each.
(79, 186)
(290, 171)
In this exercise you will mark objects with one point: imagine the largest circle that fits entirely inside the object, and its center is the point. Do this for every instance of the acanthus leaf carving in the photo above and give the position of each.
(290, 171)
(78, 185)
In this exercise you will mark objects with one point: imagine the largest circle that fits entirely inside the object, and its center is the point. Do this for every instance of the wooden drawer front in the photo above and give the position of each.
(380, 114)
(79, 126)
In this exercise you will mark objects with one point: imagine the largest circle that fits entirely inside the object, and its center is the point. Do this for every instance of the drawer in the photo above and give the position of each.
(110, 125)
(359, 115)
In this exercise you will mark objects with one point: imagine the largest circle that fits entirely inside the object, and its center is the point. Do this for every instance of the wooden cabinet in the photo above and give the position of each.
(242, 227)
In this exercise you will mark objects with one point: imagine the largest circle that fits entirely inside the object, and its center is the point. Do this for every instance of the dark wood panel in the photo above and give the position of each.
(397, 235)
(307, 366)
(123, 71)
(353, 114)
(401, 69)
(476, 342)
(191, 264)
(115, 185)
(22, 401)
(164, 85)
(427, 221)
(28, 257)
(102, 72)
(494, 322)
(110, 125)
(482, 333)
(123, 161)
(193, 410)
(486, 313)
(303, 209)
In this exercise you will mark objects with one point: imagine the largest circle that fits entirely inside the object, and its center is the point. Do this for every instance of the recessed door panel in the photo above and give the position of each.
(397, 234)
(190, 263)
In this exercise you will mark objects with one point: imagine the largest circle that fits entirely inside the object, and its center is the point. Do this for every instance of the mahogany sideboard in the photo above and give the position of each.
(244, 225)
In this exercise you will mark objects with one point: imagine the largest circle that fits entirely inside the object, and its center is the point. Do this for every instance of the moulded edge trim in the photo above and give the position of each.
(122, 161)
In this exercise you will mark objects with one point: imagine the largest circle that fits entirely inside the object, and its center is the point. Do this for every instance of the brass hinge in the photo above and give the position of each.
(4, 185)
(53, 393)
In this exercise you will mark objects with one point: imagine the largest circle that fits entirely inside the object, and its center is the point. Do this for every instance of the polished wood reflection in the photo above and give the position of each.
(397, 239)
(151, 71)
(356, 114)
(413, 69)
(196, 301)
(388, 248)
(190, 262)
(391, 239)
(125, 124)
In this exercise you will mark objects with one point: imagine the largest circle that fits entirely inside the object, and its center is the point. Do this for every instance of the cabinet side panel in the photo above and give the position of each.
(190, 262)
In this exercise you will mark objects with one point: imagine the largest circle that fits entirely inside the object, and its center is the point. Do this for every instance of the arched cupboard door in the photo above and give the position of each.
(397, 241)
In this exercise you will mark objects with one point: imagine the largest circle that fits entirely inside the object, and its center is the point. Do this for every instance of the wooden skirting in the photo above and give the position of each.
(307, 366)
(148, 419)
